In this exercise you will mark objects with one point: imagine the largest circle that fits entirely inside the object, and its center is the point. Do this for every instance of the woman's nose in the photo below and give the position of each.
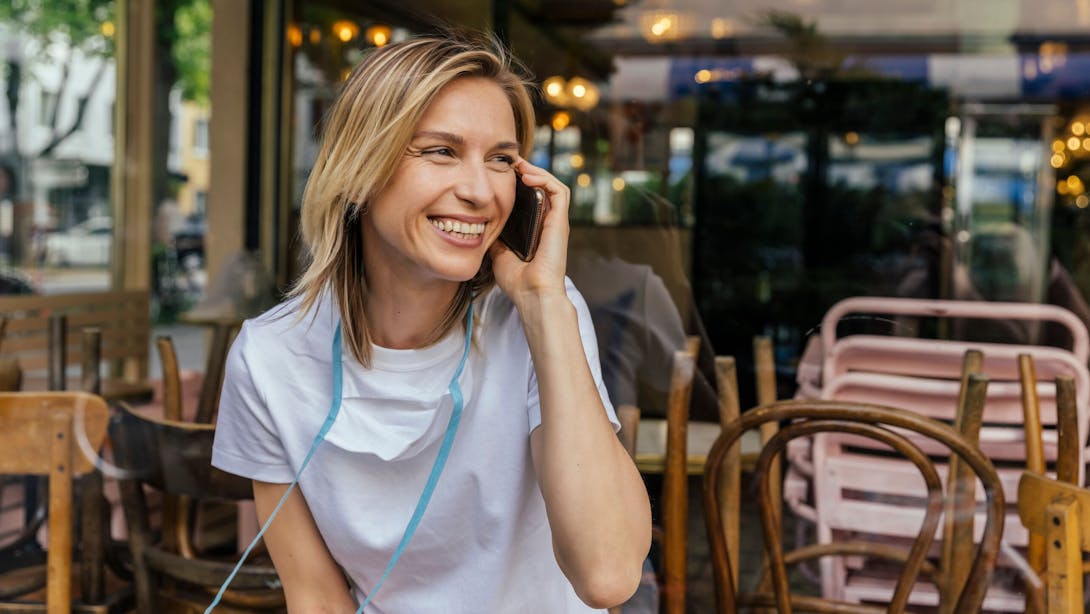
(476, 185)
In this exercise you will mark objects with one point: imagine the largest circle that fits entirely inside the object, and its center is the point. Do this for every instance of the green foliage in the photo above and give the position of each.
(186, 32)
(192, 48)
(79, 23)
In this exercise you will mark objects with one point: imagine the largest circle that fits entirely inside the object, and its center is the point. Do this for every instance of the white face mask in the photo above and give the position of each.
(391, 425)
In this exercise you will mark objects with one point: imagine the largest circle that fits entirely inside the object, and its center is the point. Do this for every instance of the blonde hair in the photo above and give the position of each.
(366, 135)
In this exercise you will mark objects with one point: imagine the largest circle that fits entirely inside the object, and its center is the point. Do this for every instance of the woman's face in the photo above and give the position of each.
(451, 193)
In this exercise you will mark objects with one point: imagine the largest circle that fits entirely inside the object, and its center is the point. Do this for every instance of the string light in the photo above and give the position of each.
(378, 34)
(345, 30)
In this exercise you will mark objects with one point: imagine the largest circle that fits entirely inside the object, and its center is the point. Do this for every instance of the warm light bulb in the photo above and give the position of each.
(556, 91)
(722, 28)
(345, 30)
(582, 94)
(560, 120)
(378, 34)
(295, 36)
(662, 26)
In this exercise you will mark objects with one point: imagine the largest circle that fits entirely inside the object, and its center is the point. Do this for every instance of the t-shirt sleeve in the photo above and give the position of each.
(590, 348)
(247, 440)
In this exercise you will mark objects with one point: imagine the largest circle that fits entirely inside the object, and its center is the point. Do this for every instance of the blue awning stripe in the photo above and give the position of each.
(971, 76)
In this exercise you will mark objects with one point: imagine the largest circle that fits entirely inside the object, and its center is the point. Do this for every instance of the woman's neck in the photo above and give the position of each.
(402, 317)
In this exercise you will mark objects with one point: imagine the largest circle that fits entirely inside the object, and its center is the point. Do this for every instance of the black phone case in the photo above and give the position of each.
(522, 233)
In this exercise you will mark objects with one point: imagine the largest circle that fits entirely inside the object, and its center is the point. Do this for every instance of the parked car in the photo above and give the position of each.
(86, 244)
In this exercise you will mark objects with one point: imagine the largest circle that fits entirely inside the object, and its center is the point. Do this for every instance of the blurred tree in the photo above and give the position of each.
(65, 31)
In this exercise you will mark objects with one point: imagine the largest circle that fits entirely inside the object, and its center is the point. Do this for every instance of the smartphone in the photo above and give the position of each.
(522, 233)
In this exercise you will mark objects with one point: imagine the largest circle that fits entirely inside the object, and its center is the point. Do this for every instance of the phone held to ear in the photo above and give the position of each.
(522, 233)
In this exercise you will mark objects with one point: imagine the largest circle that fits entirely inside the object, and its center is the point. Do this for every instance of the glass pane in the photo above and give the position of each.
(56, 146)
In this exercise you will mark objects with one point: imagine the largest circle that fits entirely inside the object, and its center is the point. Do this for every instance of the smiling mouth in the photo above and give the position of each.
(461, 230)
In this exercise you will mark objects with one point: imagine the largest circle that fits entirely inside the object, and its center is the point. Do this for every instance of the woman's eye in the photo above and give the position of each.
(502, 162)
(439, 151)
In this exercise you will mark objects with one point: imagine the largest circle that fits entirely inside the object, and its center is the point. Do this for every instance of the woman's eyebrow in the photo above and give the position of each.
(449, 137)
(455, 139)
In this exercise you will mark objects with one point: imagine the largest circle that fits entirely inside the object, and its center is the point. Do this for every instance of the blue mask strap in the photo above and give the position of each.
(429, 486)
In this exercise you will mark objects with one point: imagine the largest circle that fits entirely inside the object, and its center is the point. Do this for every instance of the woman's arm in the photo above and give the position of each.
(595, 499)
(312, 581)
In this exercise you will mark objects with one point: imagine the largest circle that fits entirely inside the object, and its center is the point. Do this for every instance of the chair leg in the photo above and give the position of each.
(92, 539)
(132, 496)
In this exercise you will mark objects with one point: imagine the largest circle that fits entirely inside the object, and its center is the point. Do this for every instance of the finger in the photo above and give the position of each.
(536, 174)
(559, 194)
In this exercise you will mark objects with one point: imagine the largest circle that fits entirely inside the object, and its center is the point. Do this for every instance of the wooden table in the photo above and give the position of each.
(651, 446)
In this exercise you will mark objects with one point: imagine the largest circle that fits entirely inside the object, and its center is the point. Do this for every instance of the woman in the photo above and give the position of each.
(485, 467)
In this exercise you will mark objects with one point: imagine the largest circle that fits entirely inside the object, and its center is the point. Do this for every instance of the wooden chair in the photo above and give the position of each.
(898, 429)
(1060, 513)
(675, 481)
(1037, 495)
(174, 458)
(51, 434)
(43, 331)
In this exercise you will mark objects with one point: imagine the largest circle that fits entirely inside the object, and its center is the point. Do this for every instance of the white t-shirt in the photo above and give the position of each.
(484, 543)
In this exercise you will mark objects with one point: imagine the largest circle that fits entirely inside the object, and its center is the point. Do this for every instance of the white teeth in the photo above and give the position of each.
(462, 230)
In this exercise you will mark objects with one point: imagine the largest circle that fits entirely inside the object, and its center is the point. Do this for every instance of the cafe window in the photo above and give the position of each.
(56, 160)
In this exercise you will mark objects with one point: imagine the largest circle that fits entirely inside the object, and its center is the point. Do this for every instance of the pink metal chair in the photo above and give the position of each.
(923, 374)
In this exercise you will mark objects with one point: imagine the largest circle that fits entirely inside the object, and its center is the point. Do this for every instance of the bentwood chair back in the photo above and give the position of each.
(174, 458)
(903, 432)
(54, 434)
